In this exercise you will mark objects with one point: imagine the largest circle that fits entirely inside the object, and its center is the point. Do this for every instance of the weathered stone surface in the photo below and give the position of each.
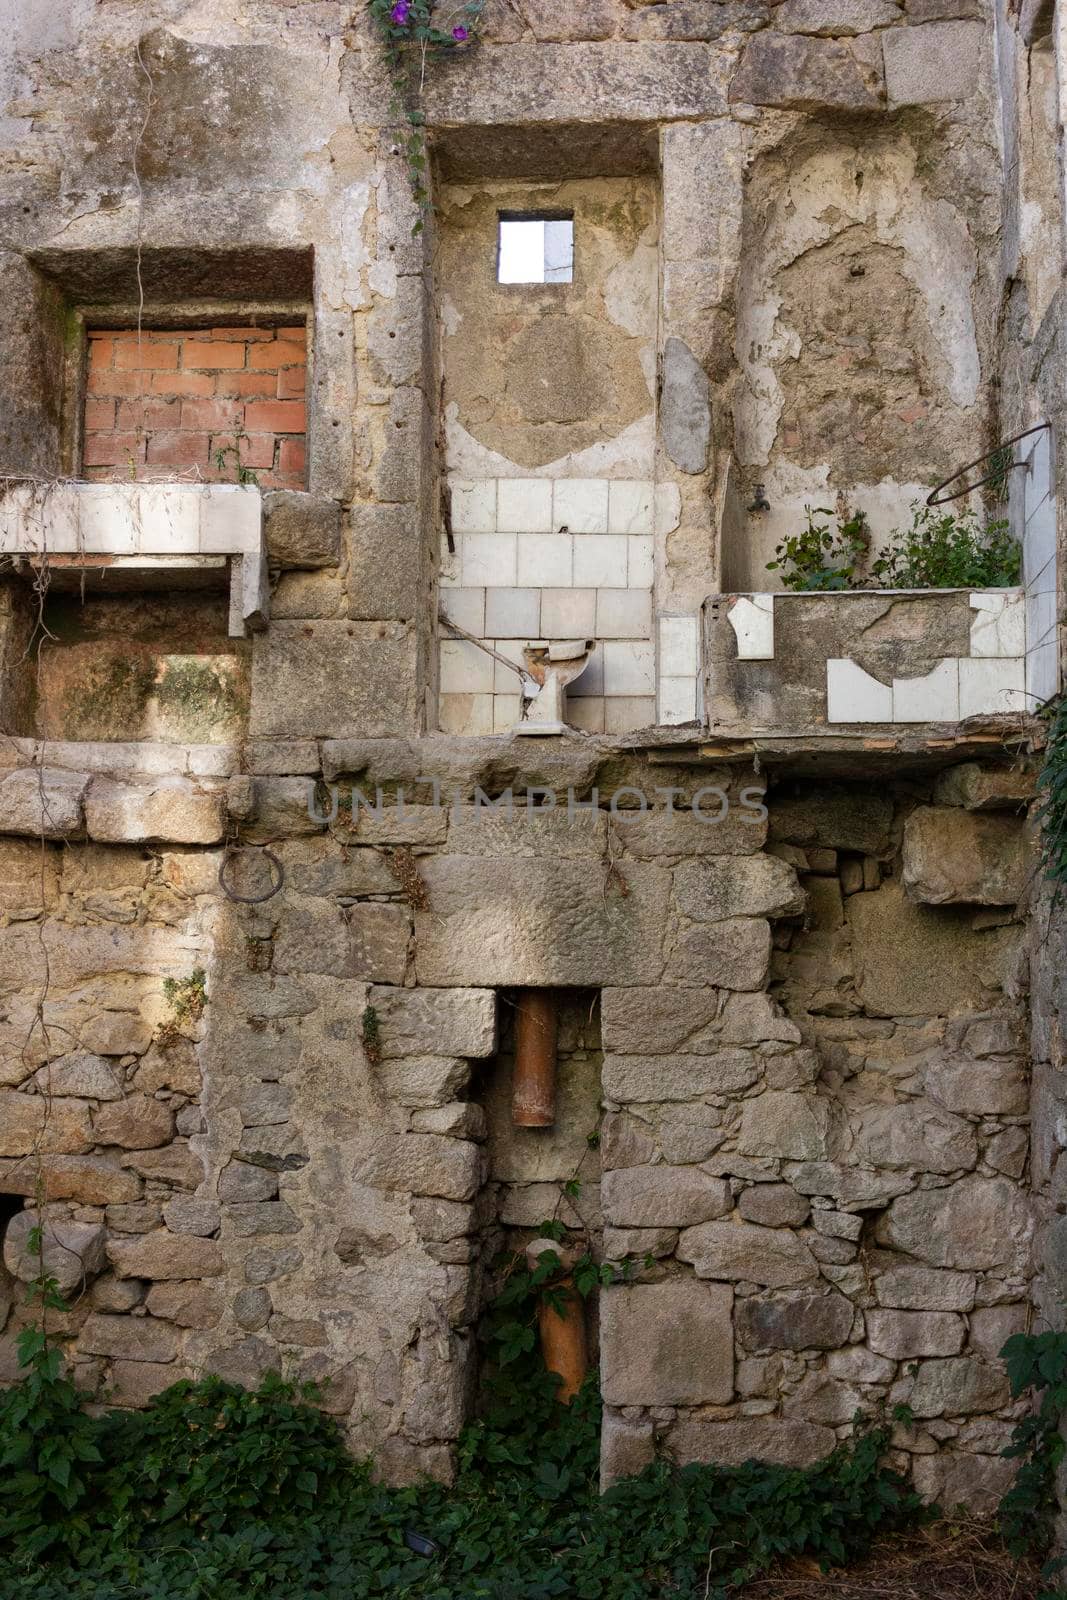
(190, 1305)
(685, 407)
(979, 788)
(183, 1214)
(835, 18)
(659, 1021)
(423, 1081)
(241, 1180)
(170, 811)
(164, 1255)
(793, 1126)
(773, 1205)
(626, 1448)
(956, 1478)
(732, 955)
(977, 1223)
(301, 530)
(857, 1364)
(646, 1078)
(995, 1087)
(70, 1252)
(331, 680)
(262, 1216)
(84, 1075)
(769, 1256)
(379, 937)
(246, 1362)
(956, 1386)
(435, 1023)
(128, 1338)
(954, 857)
(488, 921)
(422, 1163)
(990, 1327)
(731, 1444)
(264, 1104)
(459, 1119)
(805, 74)
(849, 1186)
(135, 1383)
(175, 1164)
(909, 958)
(383, 568)
(252, 1309)
(902, 1335)
(134, 1218)
(795, 1322)
(29, 1123)
(911, 1288)
(42, 802)
(136, 1123)
(91, 1180)
(662, 1197)
(914, 1136)
(116, 1033)
(748, 886)
(939, 61)
(856, 819)
(667, 1344)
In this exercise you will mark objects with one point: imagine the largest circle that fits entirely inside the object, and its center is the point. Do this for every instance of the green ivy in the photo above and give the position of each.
(1052, 789)
(823, 556)
(1037, 1367)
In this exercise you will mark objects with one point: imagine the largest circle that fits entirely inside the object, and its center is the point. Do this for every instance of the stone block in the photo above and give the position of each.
(979, 788)
(423, 1081)
(83, 1075)
(662, 1197)
(956, 1478)
(667, 1343)
(795, 1322)
(649, 835)
(333, 680)
(175, 1164)
(914, 1136)
(749, 886)
(956, 857)
(626, 1448)
(165, 1255)
(136, 1123)
(31, 1124)
(848, 1186)
(301, 530)
(135, 1383)
(459, 1119)
(248, 1219)
(70, 1252)
(685, 408)
(990, 1327)
(773, 1257)
(168, 811)
(793, 1126)
(997, 1086)
(730, 1444)
(117, 1033)
(241, 1181)
(981, 1224)
(128, 1338)
(773, 1205)
(438, 1023)
(651, 1078)
(422, 1163)
(252, 1309)
(909, 957)
(734, 954)
(189, 1305)
(379, 936)
(804, 73)
(903, 1335)
(912, 1288)
(957, 1386)
(835, 18)
(183, 1214)
(541, 922)
(43, 802)
(90, 1180)
(384, 562)
(839, 818)
(659, 1021)
(115, 1294)
(934, 62)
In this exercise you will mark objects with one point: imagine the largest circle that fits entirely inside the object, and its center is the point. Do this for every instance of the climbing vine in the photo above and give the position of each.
(414, 33)
(1052, 787)
(1037, 1368)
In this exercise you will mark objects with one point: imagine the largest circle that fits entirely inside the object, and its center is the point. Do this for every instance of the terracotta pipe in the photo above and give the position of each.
(533, 1091)
(564, 1348)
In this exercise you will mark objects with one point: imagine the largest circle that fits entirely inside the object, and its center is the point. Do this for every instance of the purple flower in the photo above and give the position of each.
(460, 35)
(399, 13)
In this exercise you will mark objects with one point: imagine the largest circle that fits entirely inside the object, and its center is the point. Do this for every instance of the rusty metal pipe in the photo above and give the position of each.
(533, 1090)
(563, 1342)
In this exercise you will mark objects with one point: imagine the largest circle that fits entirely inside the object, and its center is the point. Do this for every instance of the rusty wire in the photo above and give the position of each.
(936, 498)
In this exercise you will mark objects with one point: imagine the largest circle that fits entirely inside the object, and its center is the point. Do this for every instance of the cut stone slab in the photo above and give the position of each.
(792, 1126)
(982, 1224)
(71, 1252)
(423, 1163)
(662, 1197)
(802, 73)
(912, 1288)
(957, 1386)
(795, 1322)
(909, 958)
(938, 61)
(685, 407)
(903, 1335)
(43, 802)
(166, 1255)
(440, 1023)
(734, 954)
(732, 1443)
(651, 1078)
(957, 857)
(166, 812)
(301, 530)
(667, 1343)
(979, 788)
(750, 886)
(773, 1257)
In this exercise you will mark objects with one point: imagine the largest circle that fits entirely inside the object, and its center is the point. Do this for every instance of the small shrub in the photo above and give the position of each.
(824, 556)
(1052, 789)
(940, 550)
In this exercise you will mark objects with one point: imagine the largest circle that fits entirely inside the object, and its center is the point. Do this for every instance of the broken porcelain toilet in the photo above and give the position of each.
(550, 669)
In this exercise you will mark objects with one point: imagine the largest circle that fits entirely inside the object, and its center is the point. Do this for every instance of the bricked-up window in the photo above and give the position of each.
(211, 405)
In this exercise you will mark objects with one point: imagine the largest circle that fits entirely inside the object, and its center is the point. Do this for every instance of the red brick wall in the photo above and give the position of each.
(163, 405)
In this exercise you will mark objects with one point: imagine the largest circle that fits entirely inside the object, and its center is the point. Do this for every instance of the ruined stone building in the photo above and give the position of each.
(301, 503)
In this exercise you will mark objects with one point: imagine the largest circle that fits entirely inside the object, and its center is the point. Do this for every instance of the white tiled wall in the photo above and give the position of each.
(1039, 571)
(539, 559)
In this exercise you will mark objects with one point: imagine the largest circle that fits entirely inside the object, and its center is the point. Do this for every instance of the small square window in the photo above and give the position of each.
(535, 248)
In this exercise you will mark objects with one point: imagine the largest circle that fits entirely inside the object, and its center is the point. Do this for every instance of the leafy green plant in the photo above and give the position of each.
(415, 32)
(949, 550)
(371, 1034)
(828, 552)
(1037, 1366)
(1052, 788)
(242, 474)
(186, 997)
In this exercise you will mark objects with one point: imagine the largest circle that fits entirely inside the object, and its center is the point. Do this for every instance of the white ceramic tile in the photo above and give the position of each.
(545, 561)
(513, 613)
(507, 709)
(466, 608)
(990, 687)
(591, 681)
(630, 506)
(852, 695)
(107, 520)
(464, 668)
(1041, 607)
(473, 505)
(1039, 539)
(623, 614)
(998, 623)
(626, 712)
(568, 613)
(488, 560)
(752, 618)
(524, 505)
(505, 682)
(231, 518)
(600, 561)
(1042, 674)
(450, 575)
(677, 700)
(581, 505)
(678, 647)
(586, 714)
(1039, 461)
(639, 562)
(466, 714)
(935, 697)
(629, 667)
(668, 507)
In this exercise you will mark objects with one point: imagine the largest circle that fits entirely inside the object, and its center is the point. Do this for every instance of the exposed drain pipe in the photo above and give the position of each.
(533, 1093)
(564, 1348)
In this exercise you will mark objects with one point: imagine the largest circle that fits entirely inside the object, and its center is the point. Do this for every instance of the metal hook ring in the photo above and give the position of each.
(936, 498)
(251, 899)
